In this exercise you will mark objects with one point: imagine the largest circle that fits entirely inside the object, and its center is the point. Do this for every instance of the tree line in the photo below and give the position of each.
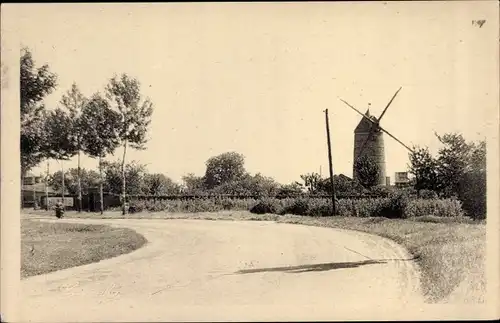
(120, 117)
(95, 126)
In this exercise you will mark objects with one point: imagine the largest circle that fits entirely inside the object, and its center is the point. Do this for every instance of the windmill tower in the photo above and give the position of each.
(369, 140)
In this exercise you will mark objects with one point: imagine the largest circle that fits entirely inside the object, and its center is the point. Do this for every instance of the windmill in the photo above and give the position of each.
(368, 140)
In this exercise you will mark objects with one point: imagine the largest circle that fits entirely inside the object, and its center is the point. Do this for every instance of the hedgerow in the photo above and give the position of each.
(397, 205)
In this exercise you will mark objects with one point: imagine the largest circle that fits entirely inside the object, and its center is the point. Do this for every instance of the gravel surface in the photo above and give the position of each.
(232, 270)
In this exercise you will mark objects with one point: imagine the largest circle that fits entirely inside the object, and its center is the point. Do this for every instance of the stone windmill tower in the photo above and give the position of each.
(369, 140)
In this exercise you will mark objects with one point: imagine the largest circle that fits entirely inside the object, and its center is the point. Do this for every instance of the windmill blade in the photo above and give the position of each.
(364, 115)
(393, 137)
(388, 104)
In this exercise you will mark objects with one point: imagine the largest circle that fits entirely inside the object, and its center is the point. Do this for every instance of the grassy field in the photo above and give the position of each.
(449, 251)
(47, 247)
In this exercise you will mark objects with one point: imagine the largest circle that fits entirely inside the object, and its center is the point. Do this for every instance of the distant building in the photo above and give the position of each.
(401, 179)
(33, 189)
(387, 181)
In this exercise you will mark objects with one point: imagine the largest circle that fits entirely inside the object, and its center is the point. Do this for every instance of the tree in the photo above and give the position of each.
(159, 184)
(423, 166)
(35, 85)
(311, 181)
(224, 168)
(292, 189)
(100, 137)
(193, 184)
(472, 186)
(135, 115)
(343, 185)
(258, 185)
(134, 175)
(367, 171)
(453, 162)
(58, 141)
(263, 186)
(459, 170)
(74, 102)
(88, 179)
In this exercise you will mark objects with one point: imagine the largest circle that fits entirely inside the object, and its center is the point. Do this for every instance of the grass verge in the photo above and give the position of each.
(449, 251)
(47, 247)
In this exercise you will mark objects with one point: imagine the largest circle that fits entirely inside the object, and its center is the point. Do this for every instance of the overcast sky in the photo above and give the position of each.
(255, 78)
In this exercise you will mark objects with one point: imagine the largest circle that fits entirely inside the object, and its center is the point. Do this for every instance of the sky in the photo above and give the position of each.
(256, 78)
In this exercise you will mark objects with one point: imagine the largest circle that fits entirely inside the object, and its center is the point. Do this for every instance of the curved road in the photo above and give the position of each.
(231, 270)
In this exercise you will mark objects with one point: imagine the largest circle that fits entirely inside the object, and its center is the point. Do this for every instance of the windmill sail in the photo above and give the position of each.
(368, 136)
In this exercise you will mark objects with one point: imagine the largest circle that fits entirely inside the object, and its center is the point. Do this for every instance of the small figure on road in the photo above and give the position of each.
(59, 210)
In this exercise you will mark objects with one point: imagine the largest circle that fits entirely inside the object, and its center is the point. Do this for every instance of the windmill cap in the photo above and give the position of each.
(364, 125)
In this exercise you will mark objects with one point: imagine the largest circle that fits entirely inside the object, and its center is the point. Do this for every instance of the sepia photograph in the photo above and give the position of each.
(272, 161)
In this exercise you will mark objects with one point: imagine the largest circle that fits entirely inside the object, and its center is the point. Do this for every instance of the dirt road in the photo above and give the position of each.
(231, 270)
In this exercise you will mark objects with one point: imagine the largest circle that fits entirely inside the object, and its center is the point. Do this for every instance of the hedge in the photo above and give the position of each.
(395, 206)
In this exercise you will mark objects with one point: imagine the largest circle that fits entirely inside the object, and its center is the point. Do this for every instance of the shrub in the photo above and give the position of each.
(428, 194)
(299, 206)
(266, 206)
(136, 206)
(472, 193)
(380, 191)
(434, 207)
(394, 207)
(322, 210)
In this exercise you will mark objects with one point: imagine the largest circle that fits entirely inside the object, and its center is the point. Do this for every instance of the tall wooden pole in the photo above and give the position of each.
(33, 191)
(330, 160)
(62, 170)
(47, 188)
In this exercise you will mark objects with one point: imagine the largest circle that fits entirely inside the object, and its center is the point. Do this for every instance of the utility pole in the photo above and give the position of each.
(33, 191)
(47, 188)
(330, 160)
(62, 171)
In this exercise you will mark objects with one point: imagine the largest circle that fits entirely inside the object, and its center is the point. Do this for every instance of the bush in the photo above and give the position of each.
(397, 205)
(434, 207)
(266, 206)
(322, 210)
(394, 207)
(380, 191)
(428, 194)
(300, 206)
(472, 193)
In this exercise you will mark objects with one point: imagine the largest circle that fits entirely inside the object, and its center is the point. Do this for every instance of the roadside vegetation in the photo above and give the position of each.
(439, 216)
(448, 250)
(47, 247)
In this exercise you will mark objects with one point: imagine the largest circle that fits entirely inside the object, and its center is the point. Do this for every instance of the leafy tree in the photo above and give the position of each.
(312, 182)
(453, 162)
(100, 137)
(159, 184)
(193, 184)
(367, 171)
(292, 189)
(423, 166)
(134, 175)
(257, 185)
(74, 102)
(459, 170)
(263, 186)
(224, 168)
(343, 185)
(135, 117)
(88, 179)
(58, 141)
(35, 85)
(472, 186)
